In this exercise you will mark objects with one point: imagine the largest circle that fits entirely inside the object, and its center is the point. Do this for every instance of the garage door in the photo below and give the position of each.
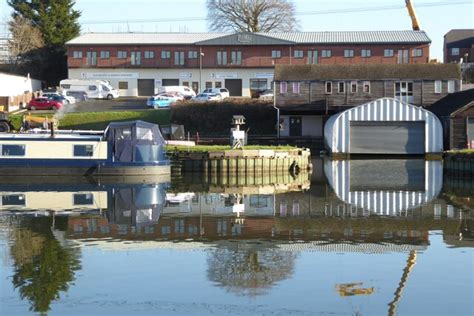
(470, 131)
(387, 137)
(146, 87)
(170, 82)
(234, 86)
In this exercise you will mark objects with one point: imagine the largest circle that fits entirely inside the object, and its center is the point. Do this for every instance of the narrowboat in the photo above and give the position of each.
(123, 149)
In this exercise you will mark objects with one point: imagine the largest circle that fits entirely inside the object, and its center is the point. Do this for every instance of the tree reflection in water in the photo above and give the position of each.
(43, 267)
(249, 269)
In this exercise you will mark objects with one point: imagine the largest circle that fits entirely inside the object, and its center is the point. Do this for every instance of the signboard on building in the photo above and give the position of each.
(109, 75)
(264, 75)
(185, 75)
(225, 75)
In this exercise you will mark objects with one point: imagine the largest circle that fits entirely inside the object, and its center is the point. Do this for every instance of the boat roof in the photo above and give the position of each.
(44, 136)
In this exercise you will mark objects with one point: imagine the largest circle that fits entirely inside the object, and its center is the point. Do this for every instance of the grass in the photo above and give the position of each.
(211, 148)
(462, 151)
(100, 120)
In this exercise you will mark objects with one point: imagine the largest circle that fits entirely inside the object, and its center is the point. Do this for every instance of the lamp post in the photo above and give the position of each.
(200, 69)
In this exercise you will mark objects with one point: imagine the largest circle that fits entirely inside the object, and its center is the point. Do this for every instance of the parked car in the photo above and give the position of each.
(58, 97)
(44, 104)
(78, 95)
(187, 92)
(222, 91)
(204, 97)
(266, 95)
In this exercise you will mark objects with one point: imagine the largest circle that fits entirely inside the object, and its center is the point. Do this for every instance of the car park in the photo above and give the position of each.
(60, 98)
(204, 97)
(44, 104)
(222, 91)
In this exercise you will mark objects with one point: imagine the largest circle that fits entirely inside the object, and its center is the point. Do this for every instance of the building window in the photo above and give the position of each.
(403, 89)
(121, 54)
(83, 199)
(179, 58)
(365, 53)
(148, 54)
(83, 150)
(417, 52)
(450, 86)
(192, 54)
(179, 226)
(136, 58)
(104, 54)
(341, 87)
(236, 58)
(12, 150)
(326, 53)
(258, 85)
(276, 53)
(14, 199)
(328, 86)
(348, 53)
(165, 230)
(77, 54)
(91, 58)
(296, 87)
(208, 84)
(218, 84)
(366, 86)
(298, 54)
(186, 83)
(455, 51)
(165, 54)
(388, 53)
(283, 87)
(222, 58)
(312, 57)
(438, 86)
(354, 87)
(123, 85)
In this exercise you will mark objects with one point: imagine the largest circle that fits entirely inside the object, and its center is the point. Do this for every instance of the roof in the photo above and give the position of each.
(452, 103)
(367, 72)
(458, 35)
(288, 38)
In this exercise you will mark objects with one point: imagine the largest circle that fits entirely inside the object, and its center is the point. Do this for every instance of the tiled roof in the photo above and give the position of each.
(353, 37)
(367, 72)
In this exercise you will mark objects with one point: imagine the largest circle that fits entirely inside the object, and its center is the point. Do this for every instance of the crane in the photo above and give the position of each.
(411, 11)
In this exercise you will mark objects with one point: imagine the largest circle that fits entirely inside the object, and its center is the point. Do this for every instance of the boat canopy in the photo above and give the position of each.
(136, 141)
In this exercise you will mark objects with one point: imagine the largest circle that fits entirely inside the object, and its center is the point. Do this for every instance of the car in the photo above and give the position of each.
(187, 92)
(43, 104)
(222, 91)
(160, 101)
(266, 95)
(78, 95)
(204, 97)
(59, 97)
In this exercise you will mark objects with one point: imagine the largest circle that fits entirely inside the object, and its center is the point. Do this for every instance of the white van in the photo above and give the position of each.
(95, 89)
(187, 92)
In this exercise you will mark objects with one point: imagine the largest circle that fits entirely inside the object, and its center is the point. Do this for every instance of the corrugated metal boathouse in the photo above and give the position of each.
(384, 126)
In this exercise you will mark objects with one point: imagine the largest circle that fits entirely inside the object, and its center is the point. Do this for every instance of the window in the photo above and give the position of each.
(91, 58)
(12, 150)
(450, 86)
(403, 89)
(83, 199)
(192, 54)
(388, 53)
(165, 230)
(221, 227)
(13, 199)
(312, 57)
(236, 58)
(192, 230)
(222, 58)
(179, 58)
(341, 87)
(77, 54)
(208, 84)
(104, 54)
(438, 86)
(276, 53)
(455, 51)
(165, 54)
(328, 87)
(148, 54)
(186, 83)
(326, 53)
(83, 150)
(298, 54)
(123, 85)
(348, 53)
(366, 86)
(365, 53)
(179, 226)
(283, 87)
(136, 58)
(417, 52)
(354, 87)
(92, 88)
(121, 54)
(218, 84)
(258, 84)
(296, 87)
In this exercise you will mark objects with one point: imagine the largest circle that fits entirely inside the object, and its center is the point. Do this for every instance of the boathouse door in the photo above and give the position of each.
(295, 126)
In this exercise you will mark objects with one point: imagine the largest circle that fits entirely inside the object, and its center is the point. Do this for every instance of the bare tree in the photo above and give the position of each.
(25, 38)
(251, 15)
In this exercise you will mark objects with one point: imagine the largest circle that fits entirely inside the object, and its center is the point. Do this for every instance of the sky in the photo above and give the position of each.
(436, 17)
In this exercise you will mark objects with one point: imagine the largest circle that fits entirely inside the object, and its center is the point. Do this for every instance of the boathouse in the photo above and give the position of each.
(384, 126)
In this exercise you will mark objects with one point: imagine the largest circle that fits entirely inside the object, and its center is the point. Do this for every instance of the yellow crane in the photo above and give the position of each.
(411, 11)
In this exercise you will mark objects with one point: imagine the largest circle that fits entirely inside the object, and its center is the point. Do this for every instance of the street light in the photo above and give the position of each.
(201, 54)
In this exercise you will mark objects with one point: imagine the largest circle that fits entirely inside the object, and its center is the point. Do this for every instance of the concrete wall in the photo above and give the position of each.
(312, 125)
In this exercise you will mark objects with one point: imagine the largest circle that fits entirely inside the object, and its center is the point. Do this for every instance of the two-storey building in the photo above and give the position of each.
(138, 64)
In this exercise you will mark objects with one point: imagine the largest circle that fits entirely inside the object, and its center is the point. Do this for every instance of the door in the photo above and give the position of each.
(403, 56)
(234, 86)
(91, 58)
(295, 126)
(170, 82)
(387, 137)
(146, 87)
(470, 132)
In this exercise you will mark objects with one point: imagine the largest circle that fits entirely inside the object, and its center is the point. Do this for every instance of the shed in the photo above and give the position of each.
(384, 126)
(456, 113)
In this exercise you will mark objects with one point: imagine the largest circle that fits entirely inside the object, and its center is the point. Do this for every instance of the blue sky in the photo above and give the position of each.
(435, 20)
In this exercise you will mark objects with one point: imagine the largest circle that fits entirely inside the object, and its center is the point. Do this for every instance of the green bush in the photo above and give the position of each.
(214, 118)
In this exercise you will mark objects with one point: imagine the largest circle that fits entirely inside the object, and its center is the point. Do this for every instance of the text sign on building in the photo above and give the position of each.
(109, 75)
(226, 75)
(185, 75)
(264, 75)
(244, 38)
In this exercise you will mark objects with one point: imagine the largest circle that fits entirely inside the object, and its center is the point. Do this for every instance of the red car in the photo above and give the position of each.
(44, 104)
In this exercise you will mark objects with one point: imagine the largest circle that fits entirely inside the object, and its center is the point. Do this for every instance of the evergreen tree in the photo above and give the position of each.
(58, 23)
